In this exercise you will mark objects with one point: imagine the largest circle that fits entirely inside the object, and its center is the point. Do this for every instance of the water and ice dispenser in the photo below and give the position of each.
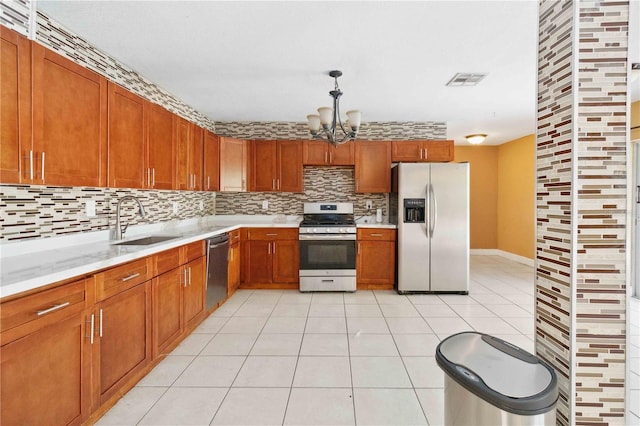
(414, 210)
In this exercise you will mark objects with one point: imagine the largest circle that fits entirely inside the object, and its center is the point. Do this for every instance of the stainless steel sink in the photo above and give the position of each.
(147, 241)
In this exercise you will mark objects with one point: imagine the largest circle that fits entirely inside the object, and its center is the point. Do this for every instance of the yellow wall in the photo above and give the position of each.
(635, 120)
(483, 167)
(516, 192)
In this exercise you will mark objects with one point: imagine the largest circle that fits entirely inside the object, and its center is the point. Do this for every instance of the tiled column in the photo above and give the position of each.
(581, 164)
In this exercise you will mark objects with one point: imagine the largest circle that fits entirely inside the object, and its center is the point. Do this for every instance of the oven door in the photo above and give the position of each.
(327, 254)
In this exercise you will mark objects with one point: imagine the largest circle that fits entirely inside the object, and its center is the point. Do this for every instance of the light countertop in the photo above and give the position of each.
(32, 264)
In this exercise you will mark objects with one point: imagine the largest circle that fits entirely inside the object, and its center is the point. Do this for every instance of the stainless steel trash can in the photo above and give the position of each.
(491, 382)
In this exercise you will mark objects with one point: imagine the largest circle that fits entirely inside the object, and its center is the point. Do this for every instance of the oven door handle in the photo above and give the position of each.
(341, 237)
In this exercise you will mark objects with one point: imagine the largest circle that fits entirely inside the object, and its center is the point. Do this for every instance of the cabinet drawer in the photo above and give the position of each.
(122, 277)
(272, 234)
(166, 261)
(42, 308)
(192, 251)
(375, 234)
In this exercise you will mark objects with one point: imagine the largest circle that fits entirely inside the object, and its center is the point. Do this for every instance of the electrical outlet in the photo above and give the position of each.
(90, 208)
(368, 204)
(176, 207)
(201, 205)
(265, 205)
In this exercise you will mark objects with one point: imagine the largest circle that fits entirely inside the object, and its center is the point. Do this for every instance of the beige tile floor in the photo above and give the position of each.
(287, 358)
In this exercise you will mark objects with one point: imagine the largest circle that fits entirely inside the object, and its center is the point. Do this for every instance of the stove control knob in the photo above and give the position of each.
(342, 230)
(327, 230)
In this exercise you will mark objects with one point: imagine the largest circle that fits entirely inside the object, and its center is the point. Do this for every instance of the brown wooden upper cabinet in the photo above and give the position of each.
(127, 138)
(373, 166)
(233, 164)
(276, 166)
(69, 121)
(161, 151)
(16, 151)
(422, 151)
(140, 142)
(320, 153)
(188, 141)
(211, 162)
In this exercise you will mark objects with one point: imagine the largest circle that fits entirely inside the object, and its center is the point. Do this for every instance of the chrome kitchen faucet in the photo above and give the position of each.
(120, 228)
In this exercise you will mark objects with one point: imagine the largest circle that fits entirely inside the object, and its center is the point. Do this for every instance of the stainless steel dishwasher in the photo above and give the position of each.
(217, 258)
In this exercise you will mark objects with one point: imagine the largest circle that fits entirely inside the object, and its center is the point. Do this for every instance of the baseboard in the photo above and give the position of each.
(496, 252)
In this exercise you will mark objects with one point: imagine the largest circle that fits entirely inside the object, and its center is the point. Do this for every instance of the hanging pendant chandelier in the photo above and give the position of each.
(324, 125)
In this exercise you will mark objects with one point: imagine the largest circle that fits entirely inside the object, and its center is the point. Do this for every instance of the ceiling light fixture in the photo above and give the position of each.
(329, 119)
(476, 139)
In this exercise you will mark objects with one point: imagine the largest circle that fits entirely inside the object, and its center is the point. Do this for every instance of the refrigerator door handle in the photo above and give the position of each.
(433, 211)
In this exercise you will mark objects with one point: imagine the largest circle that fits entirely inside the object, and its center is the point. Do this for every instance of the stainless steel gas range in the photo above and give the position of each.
(328, 247)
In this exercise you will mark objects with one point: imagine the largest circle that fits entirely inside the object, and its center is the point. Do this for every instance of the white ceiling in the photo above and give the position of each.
(269, 61)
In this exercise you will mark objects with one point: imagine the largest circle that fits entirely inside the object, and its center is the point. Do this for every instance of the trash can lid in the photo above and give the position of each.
(498, 372)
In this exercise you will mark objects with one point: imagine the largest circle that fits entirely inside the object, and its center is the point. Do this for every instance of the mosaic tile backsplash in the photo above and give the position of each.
(320, 184)
(42, 211)
(375, 130)
(30, 211)
(15, 14)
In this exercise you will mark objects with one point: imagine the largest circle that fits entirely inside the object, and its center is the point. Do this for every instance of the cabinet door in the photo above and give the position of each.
(194, 290)
(375, 267)
(125, 338)
(69, 121)
(46, 375)
(182, 142)
(167, 309)
(438, 150)
(233, 268)
(286, 261)
(15, 108)
(127, 139)
(407, 151)
(264, 165)
(289, 177)
(259, 263)
(373, 166)
(315, 153)
(343, 155)
(161, 148)
(211, 153)
(233, 164)
(195, 157)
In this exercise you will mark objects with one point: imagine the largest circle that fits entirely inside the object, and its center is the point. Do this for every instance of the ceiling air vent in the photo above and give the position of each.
(466, 79)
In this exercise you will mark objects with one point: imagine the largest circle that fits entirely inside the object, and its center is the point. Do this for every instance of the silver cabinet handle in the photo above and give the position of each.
(272, 235)
(100, 322)
(208, 182)
(149, 176)
(376, 235)
(130, 277)
(53, 308)
(42, 166)
(153, 177)
(269, 249)
(184, 274)
(330, 157)
(189, 275)
(31, 165)
(278, 184)
(92, 322)
(426, 153)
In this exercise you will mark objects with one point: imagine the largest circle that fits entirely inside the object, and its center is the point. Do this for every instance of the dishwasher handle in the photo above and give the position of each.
(218, 241)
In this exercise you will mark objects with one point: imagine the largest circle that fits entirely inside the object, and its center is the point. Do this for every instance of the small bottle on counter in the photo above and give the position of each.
(379, 215)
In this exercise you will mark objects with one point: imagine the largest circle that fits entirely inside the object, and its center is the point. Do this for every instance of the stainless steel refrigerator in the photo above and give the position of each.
(430, 204)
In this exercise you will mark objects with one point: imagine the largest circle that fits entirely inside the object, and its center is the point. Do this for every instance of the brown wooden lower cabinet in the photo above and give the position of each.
(233, 269)
(376, 259)
(271, 258)
(194, 291)
(167, 310)
(122, 338)
(45, 375)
